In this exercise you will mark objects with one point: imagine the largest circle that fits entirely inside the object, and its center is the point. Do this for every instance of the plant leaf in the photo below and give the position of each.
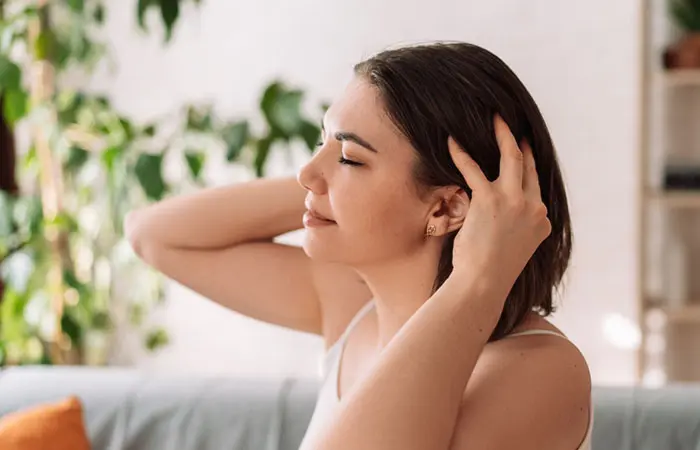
(110, 157)
(169, 11)
(686, 13)
(12, 316)
(16, 105)
(136, 314)
(29, 214)
(282, 109)
(6, 214)
(76, 5)
(261, 154)
(10, 74)
(269, 98)
(127, 128)
(61, 51)
(69, 104)
(311, 133)
(63, 222)
(199, 119)
(100, 320)
(156, 338)
(149, 130)
(149, 172)
(45, 45)
(286, 113)
(99, 13)
(71, 327)
(71, 280)
(195, 162)
(77, 157)
(141, 8)
(235, 136)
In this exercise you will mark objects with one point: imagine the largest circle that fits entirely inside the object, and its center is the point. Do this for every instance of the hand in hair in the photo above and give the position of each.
(506, 220)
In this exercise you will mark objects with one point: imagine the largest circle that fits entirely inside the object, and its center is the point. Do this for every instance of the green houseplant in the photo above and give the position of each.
(62, 249)
(685, 53)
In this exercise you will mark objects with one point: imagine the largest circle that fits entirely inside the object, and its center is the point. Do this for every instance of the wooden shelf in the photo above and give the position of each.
(686, 314)
(662, 92)
(681, 77)
(681, 199)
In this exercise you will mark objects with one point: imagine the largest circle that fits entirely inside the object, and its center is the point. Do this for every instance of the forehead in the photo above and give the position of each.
(360, 109)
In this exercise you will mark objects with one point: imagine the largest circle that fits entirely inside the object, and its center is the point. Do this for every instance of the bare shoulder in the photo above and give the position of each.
(342, 293)
(526, 392)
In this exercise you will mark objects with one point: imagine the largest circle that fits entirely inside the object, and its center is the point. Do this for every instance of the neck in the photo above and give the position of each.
(400, 287)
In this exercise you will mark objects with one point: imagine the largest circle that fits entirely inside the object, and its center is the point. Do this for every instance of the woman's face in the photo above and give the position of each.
(360, 178)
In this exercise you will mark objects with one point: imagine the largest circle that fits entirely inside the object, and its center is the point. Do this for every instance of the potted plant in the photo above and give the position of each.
(685, 52)
(64, 197)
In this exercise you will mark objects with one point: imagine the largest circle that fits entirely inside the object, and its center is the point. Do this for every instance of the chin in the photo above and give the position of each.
(319, 248)
(322, 246)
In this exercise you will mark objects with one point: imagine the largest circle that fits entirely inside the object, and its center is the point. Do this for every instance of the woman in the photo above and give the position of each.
(433, 244)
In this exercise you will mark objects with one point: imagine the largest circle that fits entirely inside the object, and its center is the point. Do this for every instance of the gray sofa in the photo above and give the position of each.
(128, 410)
(125, 409)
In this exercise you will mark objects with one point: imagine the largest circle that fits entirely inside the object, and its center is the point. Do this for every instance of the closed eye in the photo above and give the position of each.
(349, 162)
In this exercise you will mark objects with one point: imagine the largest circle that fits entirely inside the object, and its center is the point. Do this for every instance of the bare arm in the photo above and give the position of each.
(219, 217)
(425, 392)
(404, 402)
(218, 242)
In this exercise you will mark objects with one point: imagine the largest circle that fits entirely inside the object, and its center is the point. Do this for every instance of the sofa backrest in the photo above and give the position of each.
(128, 410)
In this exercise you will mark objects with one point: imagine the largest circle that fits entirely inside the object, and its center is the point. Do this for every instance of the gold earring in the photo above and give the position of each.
(431, 230)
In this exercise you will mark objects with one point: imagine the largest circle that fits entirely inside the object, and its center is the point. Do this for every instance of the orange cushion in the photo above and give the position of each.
(54, 426)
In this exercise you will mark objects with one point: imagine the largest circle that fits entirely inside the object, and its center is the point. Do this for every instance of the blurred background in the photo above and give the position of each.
(110, 105)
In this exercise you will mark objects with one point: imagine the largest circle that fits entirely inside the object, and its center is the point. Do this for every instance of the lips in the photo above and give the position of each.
(316, 215)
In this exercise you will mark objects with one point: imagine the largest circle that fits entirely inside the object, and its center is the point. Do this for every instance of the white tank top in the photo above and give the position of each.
(329, 399)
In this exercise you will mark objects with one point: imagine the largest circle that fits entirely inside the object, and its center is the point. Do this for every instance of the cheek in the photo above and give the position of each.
(387, 213)
(379, 216)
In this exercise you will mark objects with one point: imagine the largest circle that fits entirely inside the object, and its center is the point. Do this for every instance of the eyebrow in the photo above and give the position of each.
(352, 137)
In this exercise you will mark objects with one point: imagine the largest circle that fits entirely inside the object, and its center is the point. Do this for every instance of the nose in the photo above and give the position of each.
(311, 176)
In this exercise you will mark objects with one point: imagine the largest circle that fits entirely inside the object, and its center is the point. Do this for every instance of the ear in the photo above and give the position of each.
(449, 211)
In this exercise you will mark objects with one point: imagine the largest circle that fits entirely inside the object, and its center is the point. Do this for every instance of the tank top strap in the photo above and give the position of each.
(537, 332)
(333, 354)
(366, 308)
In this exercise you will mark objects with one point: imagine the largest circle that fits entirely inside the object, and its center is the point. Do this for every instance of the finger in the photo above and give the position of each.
(465, 203)
(531, 181)
(469, 169)
(458, 208)
(461, 210)
(511, 157)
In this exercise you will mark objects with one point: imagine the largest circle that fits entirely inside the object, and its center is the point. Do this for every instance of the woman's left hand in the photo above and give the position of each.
(506, 219)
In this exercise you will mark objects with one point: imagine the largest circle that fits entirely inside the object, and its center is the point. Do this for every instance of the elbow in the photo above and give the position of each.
(134, 232)
(143, 238)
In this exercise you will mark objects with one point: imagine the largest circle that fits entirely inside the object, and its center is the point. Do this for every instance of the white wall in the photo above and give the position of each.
(579, 59)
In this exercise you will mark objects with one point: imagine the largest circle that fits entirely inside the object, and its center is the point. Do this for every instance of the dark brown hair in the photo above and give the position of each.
(434, 91)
